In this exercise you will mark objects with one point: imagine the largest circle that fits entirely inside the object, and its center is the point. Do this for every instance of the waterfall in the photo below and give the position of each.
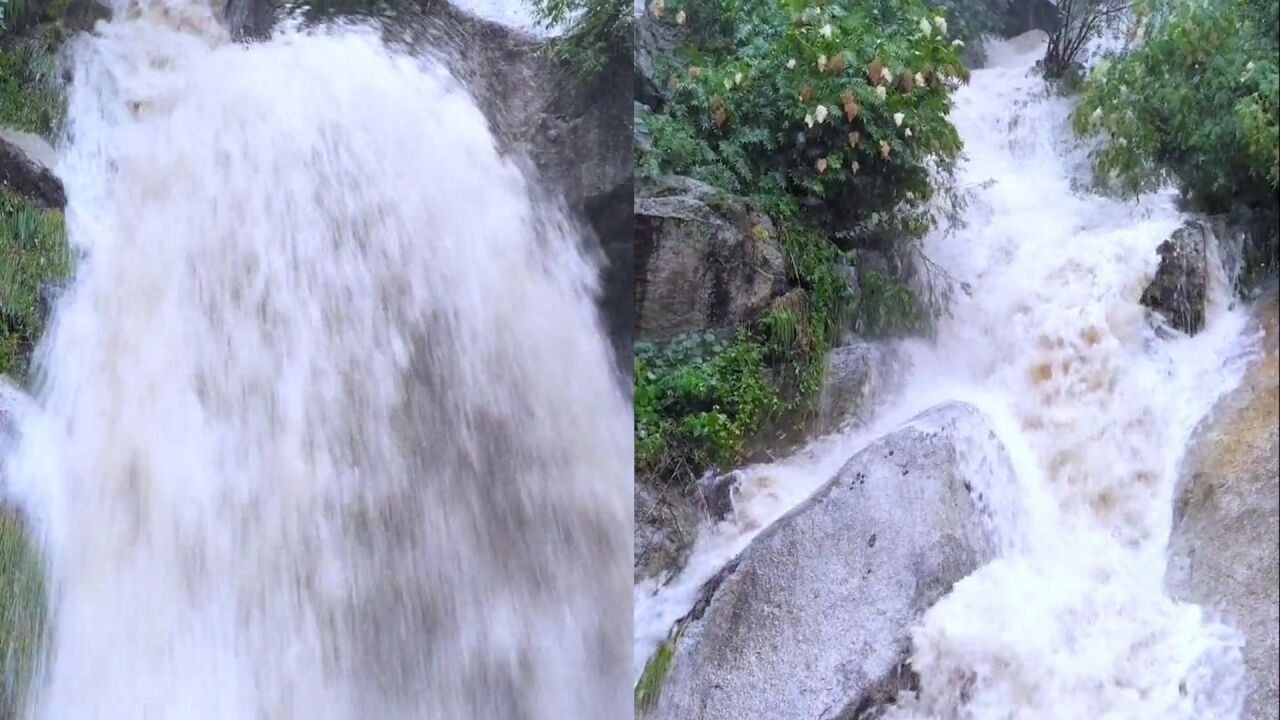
(1095, 407)
(326, 423)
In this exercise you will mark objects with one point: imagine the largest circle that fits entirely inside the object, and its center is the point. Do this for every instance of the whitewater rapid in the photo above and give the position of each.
(327, 425)
(1094, 406)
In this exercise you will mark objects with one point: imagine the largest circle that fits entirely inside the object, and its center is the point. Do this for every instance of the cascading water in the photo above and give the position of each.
(327, 424)
(1094, 406)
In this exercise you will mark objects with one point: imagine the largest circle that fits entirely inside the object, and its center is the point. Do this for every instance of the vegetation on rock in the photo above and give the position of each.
(831, 117)
(33, 256)
(30, 93)
(22, 606)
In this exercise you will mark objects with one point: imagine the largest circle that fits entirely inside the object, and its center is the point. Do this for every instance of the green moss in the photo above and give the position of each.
(22, 613)
(33, 253)
(655, 672)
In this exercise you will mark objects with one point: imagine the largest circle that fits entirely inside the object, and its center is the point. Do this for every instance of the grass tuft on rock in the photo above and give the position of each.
(655, 672)
(33, 254)
(22, 613)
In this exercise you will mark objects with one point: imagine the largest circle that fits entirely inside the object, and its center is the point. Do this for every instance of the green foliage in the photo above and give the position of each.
(1197, 98)
(594, 31)
(33, 252)
(30, 93)
(831, 109)
(21, 613)
(698, 399)
(655, 672)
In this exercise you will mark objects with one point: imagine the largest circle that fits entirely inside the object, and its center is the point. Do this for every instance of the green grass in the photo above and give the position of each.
(33, 252)
(31, 97)
(21, 613)
(655, 672)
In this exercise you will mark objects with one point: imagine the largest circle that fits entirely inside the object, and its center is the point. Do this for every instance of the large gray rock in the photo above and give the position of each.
(704, 260)
(655, 44)
(858, 377)
(813, 622)
(1224, 548)
(1178, 289)
(24, 169)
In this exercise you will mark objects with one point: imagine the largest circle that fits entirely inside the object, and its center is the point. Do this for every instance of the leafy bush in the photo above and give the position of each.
(1196, 99)
(832, 118)
(697, 400)
(832, 109)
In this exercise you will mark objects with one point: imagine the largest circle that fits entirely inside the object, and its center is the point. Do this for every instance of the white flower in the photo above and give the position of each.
(908, 132)
(737, 78)
(898, 118)
(728, 83)
(791, 64)
(853, 166)
(1249, 65)
(680, 18)
(919, 79)
(957, 43)
(825, 31)
(888, 76)
(808, 120)
(880, 92)
(925, 26)
(821, 113)
(1096, 115)
(822, 63)
(941, 24)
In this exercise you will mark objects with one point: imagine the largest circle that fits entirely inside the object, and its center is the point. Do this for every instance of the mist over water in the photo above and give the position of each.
(327, 425)
(1094, 406)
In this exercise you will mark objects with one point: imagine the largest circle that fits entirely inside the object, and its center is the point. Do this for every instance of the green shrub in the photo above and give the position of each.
(698, 399)
(835, 110)
(832, 118)
(1196, 99)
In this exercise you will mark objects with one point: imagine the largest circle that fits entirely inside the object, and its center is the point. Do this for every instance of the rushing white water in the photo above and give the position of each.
(1094, 406)
(327, 425)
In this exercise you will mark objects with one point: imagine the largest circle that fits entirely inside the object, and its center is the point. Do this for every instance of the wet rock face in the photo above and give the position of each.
(1225, 548)
(1178, 290)
(813, 620)
(574, 130)
(666, 523)
(856, 380)
(22, 172)
(704, 260)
